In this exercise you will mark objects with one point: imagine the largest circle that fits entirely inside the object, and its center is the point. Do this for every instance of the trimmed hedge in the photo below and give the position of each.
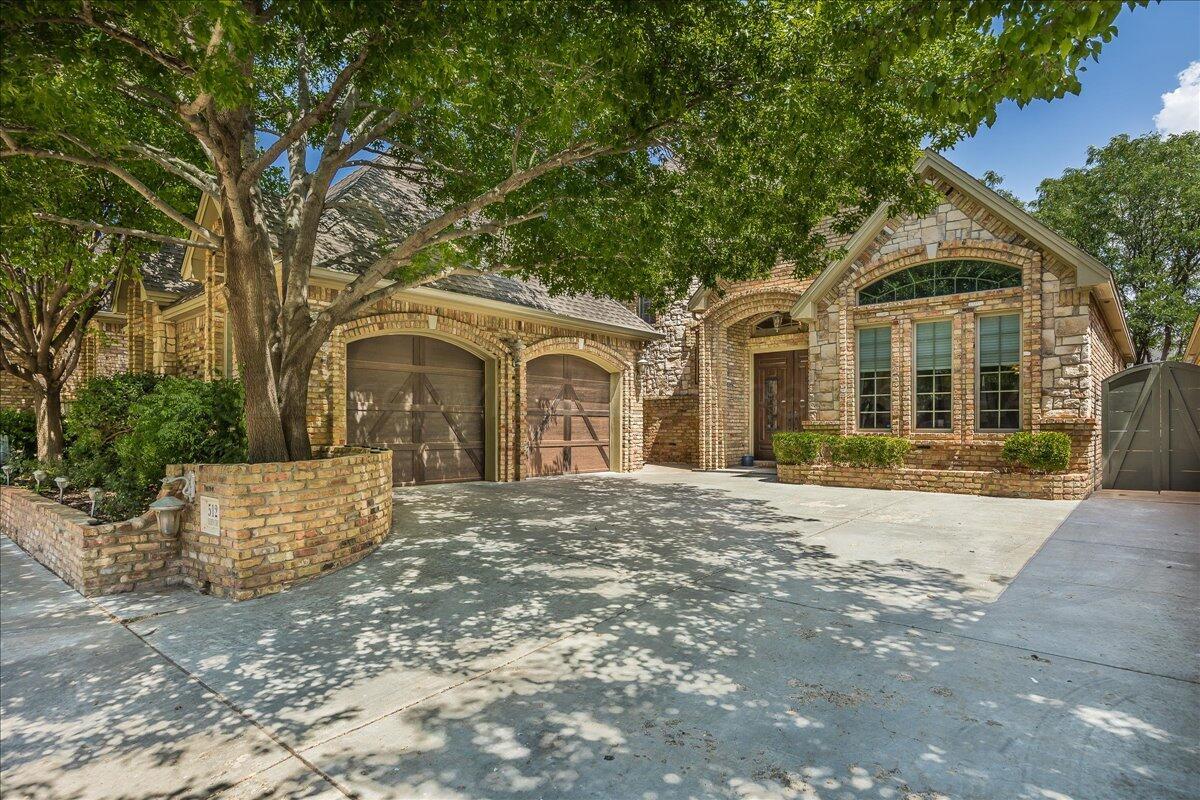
(868, 451)
(798, 447)
(806, 447)
(1046, 451)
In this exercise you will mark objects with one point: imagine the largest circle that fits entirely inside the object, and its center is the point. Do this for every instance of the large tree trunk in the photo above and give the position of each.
(293, 394)
(48, 411)
(256, 340)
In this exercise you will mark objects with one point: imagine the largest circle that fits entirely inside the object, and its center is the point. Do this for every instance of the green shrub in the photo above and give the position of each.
(21, 429)
(798, 447)
(868, 450)
(1046, 451)
(182, 421)
(807, 447)
(98, 417)
(129, 427)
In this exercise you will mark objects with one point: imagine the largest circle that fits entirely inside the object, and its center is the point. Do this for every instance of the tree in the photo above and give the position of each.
(1135, 205)
(54, 279)
(621, 148)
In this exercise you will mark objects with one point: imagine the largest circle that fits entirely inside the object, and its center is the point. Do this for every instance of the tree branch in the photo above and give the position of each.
(309, 119)
(119, 231)
(162, 205)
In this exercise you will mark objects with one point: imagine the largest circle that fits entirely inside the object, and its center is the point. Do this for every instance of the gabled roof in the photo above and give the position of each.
(1088, 271)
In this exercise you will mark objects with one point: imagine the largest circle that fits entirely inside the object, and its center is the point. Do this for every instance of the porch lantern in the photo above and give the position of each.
(168, 510)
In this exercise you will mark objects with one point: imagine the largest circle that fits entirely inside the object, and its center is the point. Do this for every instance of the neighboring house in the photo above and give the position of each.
(953, 330)
(1191, 353)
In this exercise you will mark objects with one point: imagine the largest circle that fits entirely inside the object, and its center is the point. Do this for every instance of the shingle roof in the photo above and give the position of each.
(162, 271)
(371, 206)
(531, 294)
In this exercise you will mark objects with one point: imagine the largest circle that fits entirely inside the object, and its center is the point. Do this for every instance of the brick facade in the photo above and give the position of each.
(1067, 349)
(104, 353)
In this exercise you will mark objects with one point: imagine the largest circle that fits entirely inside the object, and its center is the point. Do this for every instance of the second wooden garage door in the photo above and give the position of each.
(423, 399)
(568, 416)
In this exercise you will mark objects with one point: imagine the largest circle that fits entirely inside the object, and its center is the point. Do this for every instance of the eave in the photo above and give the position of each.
(439, 297)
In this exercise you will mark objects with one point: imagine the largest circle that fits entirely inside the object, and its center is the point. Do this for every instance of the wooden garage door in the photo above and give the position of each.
(421, 397)
(568, 416)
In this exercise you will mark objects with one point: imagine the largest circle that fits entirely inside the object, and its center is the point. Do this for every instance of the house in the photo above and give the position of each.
(952, 329)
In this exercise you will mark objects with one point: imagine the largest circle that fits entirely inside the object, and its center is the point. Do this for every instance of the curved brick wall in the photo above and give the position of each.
(284, 523)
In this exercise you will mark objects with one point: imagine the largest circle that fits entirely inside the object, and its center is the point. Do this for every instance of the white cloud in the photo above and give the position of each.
(1181, 107)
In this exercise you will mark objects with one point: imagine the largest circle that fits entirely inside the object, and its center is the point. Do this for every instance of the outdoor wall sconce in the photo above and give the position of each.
(96, 494)
(61, 483)
(7, 470)
(39, 475)
(168, 510)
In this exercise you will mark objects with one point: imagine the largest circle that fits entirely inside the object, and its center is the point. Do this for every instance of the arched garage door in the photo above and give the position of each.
(421, 397)
(568, 419)
(1151, 428)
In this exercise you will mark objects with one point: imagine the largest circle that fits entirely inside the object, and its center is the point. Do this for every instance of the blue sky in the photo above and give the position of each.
(1121, 94)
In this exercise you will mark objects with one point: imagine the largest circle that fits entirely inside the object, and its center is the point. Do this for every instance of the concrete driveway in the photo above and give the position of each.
(662, 635)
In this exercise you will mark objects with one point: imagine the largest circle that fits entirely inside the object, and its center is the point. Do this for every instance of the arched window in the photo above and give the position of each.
(938, 278)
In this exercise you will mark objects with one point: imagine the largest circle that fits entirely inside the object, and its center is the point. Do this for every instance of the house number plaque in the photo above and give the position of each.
(210, 515)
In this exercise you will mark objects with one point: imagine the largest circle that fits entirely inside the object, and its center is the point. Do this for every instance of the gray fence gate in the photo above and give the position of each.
(1151, 428)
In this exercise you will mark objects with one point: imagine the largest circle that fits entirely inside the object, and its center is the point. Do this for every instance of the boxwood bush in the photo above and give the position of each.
(868, 451)
(806, 447)
(1045, 451)
(798, 447)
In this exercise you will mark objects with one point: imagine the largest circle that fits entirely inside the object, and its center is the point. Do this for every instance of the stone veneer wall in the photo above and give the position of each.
(670, 429)
(284, 523)
(93, 559)
(1065, 486)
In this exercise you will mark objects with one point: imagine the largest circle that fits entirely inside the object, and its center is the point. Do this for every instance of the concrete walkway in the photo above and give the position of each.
(669, 634)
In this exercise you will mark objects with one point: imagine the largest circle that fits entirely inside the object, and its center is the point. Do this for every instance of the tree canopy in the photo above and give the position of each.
(54, 278)
(1135, 205)
(612, 147)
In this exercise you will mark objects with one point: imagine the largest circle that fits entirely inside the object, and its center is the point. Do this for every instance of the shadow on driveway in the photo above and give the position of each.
(656, 636)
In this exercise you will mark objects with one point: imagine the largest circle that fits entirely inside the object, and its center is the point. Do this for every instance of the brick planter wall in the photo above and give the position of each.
(1065, 486)
(92, 559)
(284, 523)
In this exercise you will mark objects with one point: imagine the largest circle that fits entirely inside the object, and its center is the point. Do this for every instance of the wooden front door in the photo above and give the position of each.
(780, 397)
(567, 416)
(422, 398)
